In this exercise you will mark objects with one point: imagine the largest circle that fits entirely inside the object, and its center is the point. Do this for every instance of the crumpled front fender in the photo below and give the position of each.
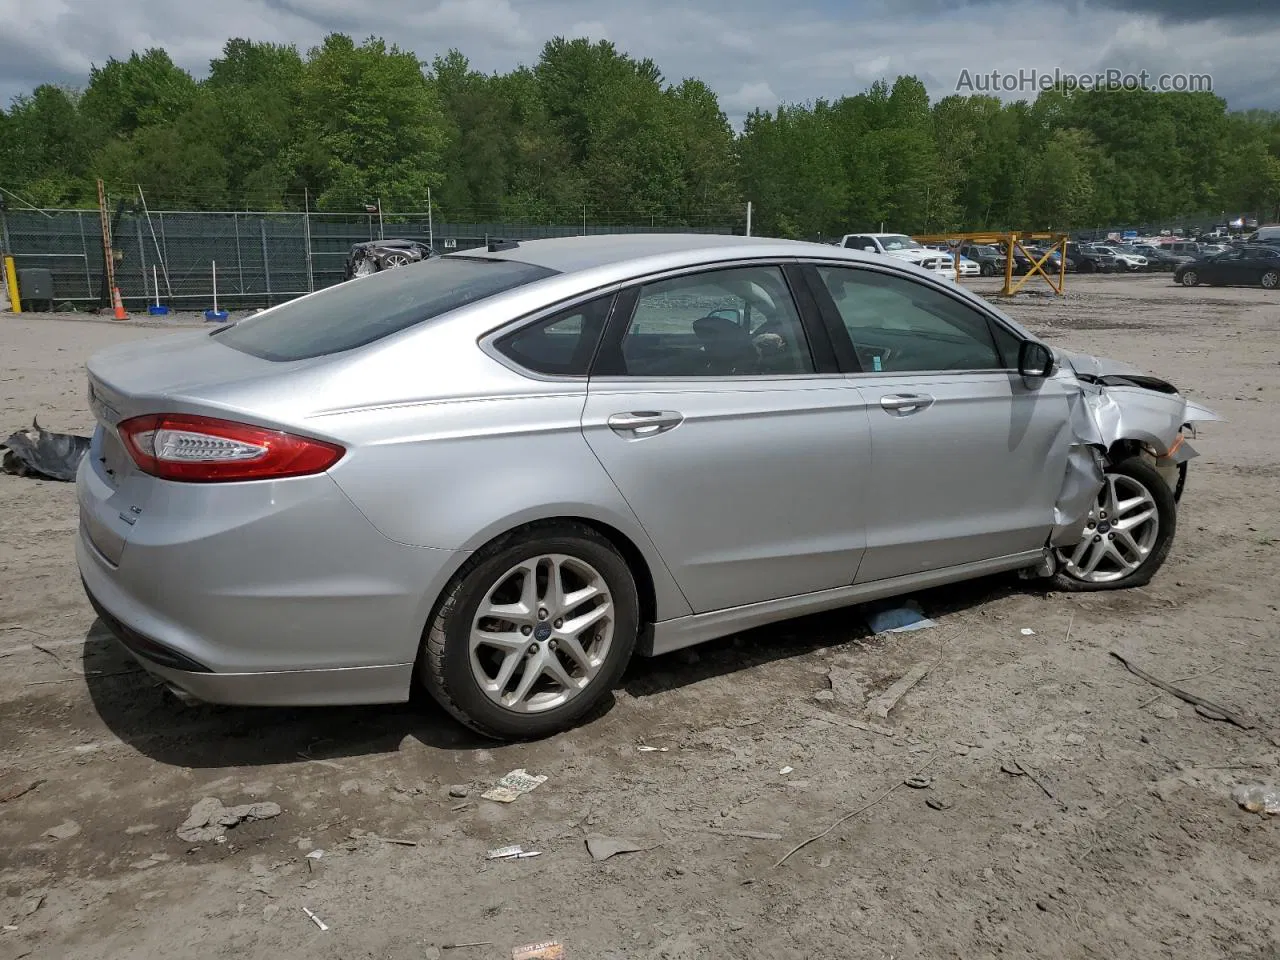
(1117, 403)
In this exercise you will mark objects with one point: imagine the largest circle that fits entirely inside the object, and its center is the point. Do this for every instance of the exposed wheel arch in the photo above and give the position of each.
(631, 553)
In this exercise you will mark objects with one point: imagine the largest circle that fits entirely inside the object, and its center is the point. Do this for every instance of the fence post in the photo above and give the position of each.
(84, 249)
(142, 263)
(306, 237)
(266, 264)
(164, 241)
(235, 224)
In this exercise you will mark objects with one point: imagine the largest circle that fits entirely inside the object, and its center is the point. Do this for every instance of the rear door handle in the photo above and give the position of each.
(644, 423)
(906, 403)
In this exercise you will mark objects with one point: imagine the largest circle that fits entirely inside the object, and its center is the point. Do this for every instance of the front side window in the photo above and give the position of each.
(361, 311)
(897, 242)
(561, 345)
(739, 322)
(900, 325)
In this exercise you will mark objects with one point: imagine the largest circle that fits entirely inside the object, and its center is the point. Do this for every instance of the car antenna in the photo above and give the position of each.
(496, 246)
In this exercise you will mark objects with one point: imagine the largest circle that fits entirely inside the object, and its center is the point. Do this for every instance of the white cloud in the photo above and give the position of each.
(752, 52)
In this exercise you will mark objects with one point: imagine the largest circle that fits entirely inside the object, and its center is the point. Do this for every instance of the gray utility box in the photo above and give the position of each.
(35, 285)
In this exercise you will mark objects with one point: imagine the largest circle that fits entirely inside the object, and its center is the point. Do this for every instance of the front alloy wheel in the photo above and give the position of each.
(1271, 280)
(1190, 278)
(1128, 534)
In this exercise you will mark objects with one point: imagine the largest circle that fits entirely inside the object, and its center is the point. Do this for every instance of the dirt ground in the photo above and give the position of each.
(1123, 840)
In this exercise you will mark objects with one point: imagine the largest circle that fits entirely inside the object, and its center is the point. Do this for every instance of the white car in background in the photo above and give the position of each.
(901, 247)
(1130, 261)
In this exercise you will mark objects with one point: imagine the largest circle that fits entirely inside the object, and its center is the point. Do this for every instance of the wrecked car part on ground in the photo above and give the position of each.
(374, 256)
(37, 452)
(697, 435)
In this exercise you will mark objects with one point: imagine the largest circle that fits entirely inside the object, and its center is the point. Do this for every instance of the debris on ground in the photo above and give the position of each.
(151, 861)
(1028, 632)
(745, 834)
(646, 749)
(63, 831)
(1016, 768)
(786, 770)
(513, 786)
(550, 950)
(938, 803)
(37, 452)
(209, 820)
(316, 920)
(1258, 798)
(889, 699)
(315, 854)
(21, 791)
(459, 791)
(269, 911)
(33, 904)
(918, 783)
(602, 848)
(845, 688)
(459, 946)
(1206, 708)
(513, 852)
(898, 618)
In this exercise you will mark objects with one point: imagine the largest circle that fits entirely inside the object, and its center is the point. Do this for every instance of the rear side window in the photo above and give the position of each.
(361, 311)
(562, 345)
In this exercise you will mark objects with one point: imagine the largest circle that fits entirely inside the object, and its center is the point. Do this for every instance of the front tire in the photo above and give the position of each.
(1271, 280)
(533, 632)
(1130, 532)
(1190, 279)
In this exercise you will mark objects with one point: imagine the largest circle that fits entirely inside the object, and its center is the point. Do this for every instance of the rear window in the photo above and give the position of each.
(358, 312)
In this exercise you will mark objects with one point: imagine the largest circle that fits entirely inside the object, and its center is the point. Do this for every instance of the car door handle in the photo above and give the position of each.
(906, 403)
(644, 423)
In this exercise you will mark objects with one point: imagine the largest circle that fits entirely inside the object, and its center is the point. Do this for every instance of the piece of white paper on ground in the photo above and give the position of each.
(513, 786)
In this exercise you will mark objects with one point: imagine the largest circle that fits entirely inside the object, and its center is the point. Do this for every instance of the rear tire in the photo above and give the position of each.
(1129, 553)
(476, 663)
(987, 269)
(1271, 280)
(1190, 279)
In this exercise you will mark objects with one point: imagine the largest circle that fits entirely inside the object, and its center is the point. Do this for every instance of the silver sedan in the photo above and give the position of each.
(503, 473)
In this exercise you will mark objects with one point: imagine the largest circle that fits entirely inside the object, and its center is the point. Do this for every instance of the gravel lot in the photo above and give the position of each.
(1123, 841)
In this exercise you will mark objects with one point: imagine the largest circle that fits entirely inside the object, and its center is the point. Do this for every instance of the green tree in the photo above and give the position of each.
(145, 90)
(370, 126)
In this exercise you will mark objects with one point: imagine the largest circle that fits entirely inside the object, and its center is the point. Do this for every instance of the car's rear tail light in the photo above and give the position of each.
(176, 446)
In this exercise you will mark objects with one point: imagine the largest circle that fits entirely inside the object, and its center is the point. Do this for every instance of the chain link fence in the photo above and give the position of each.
(259, 259)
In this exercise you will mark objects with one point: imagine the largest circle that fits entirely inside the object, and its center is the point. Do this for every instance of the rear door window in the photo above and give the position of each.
(561, 345)
(361, 311)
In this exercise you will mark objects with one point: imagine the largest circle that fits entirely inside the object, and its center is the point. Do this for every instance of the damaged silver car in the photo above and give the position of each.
(505, 472)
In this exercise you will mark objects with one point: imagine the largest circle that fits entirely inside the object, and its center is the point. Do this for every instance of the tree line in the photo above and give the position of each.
(589, 127)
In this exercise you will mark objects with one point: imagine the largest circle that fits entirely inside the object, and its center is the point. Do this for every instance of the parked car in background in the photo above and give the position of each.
(1126, 261)
(1054, 262)
(896, 245)
(1255, 265)
(990, 259)
(373, 256)
(500, 474)
(1191, 248)
(1160, 259)
(1264, 235)
(1088, 260)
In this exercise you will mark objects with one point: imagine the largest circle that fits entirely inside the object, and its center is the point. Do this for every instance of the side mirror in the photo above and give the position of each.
(1035, 360)
(869, 249)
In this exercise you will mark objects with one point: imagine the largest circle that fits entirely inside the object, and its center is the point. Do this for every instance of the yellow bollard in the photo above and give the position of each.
(11, 283)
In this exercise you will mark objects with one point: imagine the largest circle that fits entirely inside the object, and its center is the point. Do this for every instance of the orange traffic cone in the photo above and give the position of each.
(118, 304)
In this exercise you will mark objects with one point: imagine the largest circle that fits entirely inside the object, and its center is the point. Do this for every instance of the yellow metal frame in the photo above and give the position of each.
(1011, 242)
(11, 283)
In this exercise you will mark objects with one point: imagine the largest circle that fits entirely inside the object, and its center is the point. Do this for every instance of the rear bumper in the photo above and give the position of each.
(266, 594)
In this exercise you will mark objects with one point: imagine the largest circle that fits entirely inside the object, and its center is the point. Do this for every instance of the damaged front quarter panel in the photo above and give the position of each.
(1118, 409)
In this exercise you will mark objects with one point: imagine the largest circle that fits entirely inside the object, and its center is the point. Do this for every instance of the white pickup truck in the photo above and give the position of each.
(902, 247)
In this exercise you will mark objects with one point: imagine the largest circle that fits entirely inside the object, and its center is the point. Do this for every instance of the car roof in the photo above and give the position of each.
(579, 254)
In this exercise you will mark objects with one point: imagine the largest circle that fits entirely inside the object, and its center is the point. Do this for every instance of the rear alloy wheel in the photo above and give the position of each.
(987, 269)
(532, 634)
(393, 260)
(1191, 279)
(1128, 535)
(1271, 280)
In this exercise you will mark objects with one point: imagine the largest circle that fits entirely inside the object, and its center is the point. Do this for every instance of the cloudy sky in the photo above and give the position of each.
(754, 53)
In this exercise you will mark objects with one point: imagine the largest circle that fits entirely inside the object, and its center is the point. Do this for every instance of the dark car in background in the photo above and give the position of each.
(1159, 258)
(1241, 266)
(990, 259)
(375, 255)
(1085, 259)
